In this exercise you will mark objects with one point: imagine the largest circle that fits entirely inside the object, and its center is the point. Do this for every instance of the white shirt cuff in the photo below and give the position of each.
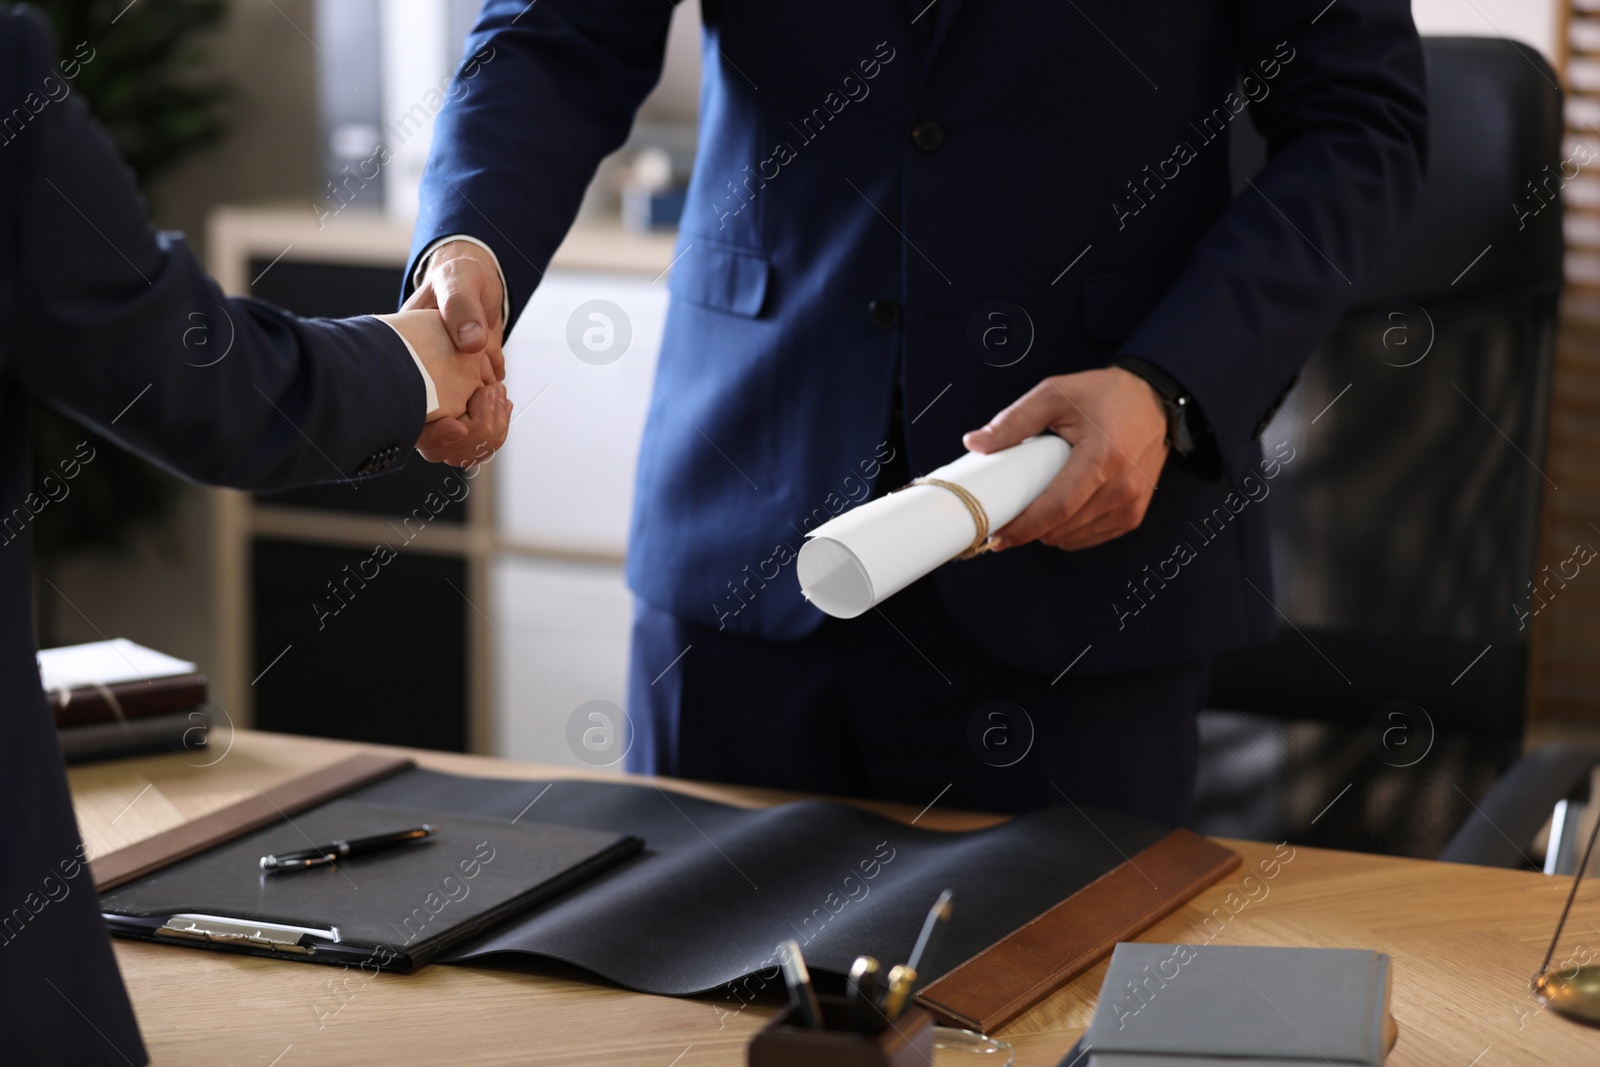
(427, 379)
(427, 254)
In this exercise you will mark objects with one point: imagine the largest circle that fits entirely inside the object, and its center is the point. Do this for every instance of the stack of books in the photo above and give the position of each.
(113, 699)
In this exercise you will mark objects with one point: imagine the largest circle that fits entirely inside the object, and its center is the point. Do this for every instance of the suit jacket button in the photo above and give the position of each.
(885, 313)
(927, 135)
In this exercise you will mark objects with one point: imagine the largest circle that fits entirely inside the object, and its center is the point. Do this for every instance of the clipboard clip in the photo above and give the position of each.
(245, 933)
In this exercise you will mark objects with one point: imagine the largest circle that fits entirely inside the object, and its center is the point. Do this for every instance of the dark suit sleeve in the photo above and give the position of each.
(546, 92)
(121, 327)
(1346, 126)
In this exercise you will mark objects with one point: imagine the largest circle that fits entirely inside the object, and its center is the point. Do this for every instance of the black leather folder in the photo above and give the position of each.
(393, 910)
(699, 910)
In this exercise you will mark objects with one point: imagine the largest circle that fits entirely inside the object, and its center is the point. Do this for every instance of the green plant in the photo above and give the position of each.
(148, 86)
(147, 83)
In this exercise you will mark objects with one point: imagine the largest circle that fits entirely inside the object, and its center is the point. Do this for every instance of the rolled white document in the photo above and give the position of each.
(870, 553)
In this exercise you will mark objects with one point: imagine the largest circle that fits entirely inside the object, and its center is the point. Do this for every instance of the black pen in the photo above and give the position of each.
(795, 975)
(338, 850)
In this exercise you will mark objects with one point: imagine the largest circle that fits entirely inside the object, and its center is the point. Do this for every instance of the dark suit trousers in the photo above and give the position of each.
(896, 705)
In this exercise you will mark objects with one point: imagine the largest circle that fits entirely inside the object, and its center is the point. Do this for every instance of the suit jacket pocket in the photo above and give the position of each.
(723, 279)
(1114, 304)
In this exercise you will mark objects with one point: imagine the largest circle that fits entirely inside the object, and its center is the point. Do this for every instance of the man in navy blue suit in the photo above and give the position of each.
(905, 217)
(100, 313)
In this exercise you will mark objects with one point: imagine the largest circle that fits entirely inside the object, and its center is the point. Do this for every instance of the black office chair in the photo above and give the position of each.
(1407, 525)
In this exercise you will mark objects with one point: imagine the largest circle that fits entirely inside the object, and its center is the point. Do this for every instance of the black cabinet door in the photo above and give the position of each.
(360, 644)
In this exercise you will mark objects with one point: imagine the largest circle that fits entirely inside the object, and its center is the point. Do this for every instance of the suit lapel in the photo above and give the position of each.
(943, 13)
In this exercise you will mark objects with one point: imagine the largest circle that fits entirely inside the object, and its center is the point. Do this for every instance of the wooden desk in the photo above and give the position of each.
(1464, 942)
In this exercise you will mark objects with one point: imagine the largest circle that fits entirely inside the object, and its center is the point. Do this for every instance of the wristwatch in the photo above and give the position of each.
(1186, 426)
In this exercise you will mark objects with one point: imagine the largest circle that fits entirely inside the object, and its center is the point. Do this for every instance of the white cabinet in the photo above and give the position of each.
(566, 473)
(560, 641)
(565, 492)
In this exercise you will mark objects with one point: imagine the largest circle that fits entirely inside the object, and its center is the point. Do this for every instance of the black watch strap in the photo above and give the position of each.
(1185, 424)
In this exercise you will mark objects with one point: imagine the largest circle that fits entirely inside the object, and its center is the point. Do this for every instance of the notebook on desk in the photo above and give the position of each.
(1166, 1005)
(395, 909)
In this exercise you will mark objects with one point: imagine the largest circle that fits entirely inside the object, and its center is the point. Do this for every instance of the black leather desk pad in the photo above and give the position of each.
(415, 900)
(717, 887)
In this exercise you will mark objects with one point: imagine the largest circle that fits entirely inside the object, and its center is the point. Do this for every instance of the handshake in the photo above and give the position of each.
(454, 322)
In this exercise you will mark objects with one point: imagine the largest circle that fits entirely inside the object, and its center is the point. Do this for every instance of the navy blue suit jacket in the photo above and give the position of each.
(101, 315)
(1064, 164)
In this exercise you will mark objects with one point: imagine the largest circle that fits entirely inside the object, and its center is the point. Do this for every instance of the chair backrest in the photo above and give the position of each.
(1404, 533)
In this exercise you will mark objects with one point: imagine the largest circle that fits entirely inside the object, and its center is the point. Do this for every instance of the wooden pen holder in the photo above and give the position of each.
(784, 1042)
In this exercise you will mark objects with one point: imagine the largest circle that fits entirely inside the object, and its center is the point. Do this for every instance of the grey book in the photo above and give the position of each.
(1235, 1006)
(178, 731)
